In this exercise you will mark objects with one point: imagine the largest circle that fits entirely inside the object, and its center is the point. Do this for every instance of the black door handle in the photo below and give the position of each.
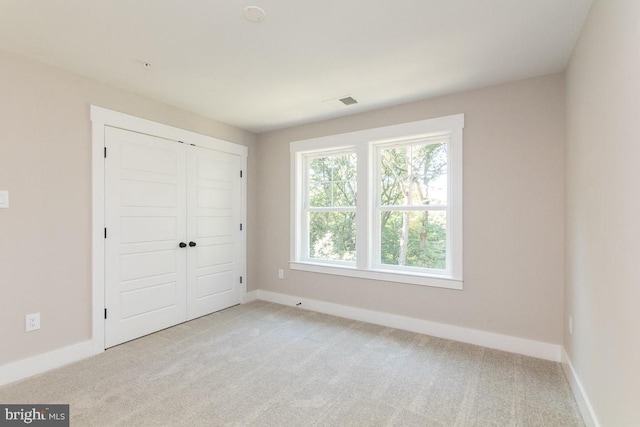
(182, 245)
(192, 244)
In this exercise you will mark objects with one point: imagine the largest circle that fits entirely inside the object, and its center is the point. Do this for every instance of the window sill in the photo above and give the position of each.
(387, 276)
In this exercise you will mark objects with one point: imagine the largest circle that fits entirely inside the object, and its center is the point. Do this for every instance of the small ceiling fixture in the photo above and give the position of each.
(254, 14)
(146, 65)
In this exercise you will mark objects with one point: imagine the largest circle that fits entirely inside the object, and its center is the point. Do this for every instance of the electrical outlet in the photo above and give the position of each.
(280, 273)
(570, 325)
(32, 322)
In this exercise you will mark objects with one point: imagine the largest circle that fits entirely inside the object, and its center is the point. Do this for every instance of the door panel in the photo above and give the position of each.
(146, 265)
(145, 211)
(214, 198)
(215, 226)
(148, 229)
(147, 194)
(214, 204)
(212, 284)
(148, 300)
(215, 255)
(138, 158)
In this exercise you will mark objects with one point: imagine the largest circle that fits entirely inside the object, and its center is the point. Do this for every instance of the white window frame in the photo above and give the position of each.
(365, 143)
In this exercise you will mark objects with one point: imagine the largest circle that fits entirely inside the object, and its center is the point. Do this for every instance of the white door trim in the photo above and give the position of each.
(100, 118)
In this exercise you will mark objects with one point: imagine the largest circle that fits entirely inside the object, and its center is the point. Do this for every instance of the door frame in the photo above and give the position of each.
(101, 118)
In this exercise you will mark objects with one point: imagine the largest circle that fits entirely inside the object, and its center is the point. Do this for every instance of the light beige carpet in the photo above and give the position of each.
(264, 364)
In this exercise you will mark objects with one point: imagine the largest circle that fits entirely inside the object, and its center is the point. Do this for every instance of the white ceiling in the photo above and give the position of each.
(208, 59)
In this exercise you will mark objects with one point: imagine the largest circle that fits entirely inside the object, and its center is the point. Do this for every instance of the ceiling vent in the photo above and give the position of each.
(348, 100)
(340, 102)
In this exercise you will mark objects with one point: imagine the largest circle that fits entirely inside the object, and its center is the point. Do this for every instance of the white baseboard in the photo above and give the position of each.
(21, 369)
(508, 343)
(250, 296)
(586, 410)
(25, 368)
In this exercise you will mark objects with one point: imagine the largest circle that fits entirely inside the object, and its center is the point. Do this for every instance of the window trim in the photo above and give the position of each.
(365, 143)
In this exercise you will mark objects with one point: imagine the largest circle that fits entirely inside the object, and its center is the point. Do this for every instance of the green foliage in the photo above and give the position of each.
(426, 243)
(412, 175)
(333, 236)
(332, 181)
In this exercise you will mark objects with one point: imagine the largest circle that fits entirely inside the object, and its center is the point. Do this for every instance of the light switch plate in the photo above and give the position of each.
(4, 199)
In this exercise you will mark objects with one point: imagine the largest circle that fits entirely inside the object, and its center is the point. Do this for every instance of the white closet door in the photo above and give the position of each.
(213, 226)
(145, 211)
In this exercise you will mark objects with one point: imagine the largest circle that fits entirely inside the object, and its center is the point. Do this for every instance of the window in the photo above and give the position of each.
(382, 203)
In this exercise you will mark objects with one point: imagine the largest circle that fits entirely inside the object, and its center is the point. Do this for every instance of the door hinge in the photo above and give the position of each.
(240, 227)
(240, 174)
(105, 232)
(105, 152)
(240, 279)
(105, 313)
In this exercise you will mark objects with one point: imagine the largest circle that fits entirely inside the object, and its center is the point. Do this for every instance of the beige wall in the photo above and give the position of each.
(45, 163)
(513, 214)
(603, 210)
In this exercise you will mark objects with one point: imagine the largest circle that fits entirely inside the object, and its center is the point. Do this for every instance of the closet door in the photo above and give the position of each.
(213, 227)
(145, 219)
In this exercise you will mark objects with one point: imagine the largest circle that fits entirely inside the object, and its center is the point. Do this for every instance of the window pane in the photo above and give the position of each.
(332, 236)
(414, 174)
(332, 180)
(414, 238)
